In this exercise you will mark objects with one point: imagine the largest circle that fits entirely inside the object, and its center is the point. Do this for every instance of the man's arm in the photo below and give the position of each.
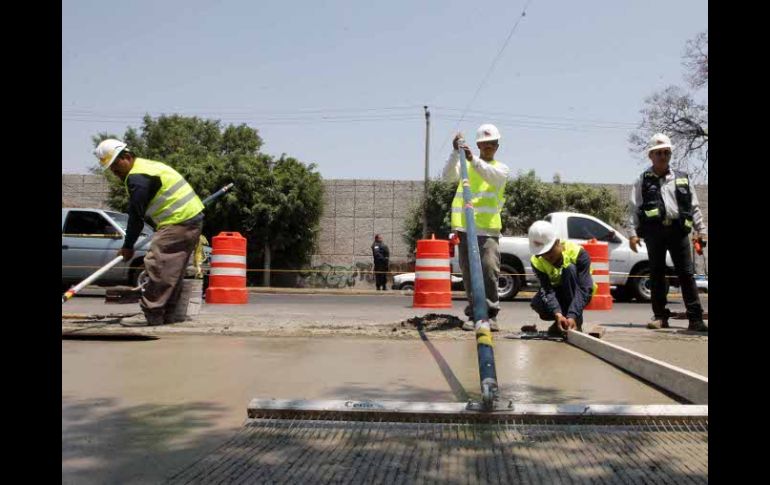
(141, 189)
(634, 202)
(386, 252)
(549, 296)
(495, 175)
(451, 172)
(697, 215)
(585, 285)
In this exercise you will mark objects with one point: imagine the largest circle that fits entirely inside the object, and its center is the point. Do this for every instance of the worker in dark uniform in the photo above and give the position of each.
(381, 255)
(664, 211)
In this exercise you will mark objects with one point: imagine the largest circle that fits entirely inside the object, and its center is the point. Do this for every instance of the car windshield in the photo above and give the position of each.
(122, 220)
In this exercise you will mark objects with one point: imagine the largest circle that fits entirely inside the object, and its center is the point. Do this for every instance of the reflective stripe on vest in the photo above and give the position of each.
(487, 201)
(175, 201)
(569, 256)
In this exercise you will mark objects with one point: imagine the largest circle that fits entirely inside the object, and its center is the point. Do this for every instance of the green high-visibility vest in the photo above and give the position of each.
(487, 201)
(175, 201)
(569, 256)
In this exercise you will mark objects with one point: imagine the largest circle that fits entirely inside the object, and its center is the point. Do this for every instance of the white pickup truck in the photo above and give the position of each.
(515, 257)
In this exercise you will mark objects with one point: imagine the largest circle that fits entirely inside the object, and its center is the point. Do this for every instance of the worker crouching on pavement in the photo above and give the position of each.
(160, 193)
(564, 271)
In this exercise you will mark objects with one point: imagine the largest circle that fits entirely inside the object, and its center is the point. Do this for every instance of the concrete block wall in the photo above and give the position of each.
(81, 190)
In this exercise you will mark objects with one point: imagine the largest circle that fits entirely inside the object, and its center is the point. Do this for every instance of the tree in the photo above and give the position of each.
(527, 199)
(680, 114)
(276, 203)
(439, 201)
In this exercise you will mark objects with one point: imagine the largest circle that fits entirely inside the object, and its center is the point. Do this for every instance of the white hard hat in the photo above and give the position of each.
(659, 141)
(108, 150)
(542, 236)
(487, 133)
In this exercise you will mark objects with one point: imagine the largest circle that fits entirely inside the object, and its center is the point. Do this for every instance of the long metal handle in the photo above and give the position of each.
(486, 354)
(75, 289)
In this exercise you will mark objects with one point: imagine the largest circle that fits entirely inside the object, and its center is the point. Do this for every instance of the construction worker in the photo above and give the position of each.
(664, 210)
(381, 255)
(487, 179)
(564, 271)
(158, 192)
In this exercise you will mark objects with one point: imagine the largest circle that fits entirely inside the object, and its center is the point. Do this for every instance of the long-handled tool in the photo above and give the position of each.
(98, 273)
(486, 354)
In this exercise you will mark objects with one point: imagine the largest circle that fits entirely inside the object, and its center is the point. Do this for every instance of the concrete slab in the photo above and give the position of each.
(137, 412)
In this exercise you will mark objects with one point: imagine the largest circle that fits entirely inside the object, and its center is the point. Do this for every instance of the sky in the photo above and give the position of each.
(342, 84)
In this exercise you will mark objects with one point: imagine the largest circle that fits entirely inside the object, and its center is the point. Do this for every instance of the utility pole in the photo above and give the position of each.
(425, 191)
(266, 236)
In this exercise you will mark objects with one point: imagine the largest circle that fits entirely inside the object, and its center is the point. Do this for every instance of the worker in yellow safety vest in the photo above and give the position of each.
(487, 178)
(564, 271)
(159, 193)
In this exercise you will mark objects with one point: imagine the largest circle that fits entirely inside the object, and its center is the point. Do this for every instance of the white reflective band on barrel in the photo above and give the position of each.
(228, 271)
(227, 258)
(431, 262)
(600, 266)
(601, 278)
(431, 275)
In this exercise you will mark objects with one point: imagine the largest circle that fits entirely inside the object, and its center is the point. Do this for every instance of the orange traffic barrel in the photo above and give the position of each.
(227, 279)
(432, 284)
(600, 272)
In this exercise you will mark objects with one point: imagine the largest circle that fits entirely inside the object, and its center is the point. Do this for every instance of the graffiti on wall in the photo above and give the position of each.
(330, 276)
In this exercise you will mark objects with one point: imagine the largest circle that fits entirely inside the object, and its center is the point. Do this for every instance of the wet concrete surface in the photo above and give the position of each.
(281, 309)
(137, 412)
(688, 350)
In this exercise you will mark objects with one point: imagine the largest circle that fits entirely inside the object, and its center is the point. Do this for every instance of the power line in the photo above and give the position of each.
(512, 115)
(489, 71)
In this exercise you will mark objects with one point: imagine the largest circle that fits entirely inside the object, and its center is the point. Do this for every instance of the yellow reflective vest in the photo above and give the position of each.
(175, 201)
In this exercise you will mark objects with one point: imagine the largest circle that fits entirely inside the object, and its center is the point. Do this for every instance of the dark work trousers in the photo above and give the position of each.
(165, 262)
(675, 241)
(489, 250)
(381, 275)
(564, 294)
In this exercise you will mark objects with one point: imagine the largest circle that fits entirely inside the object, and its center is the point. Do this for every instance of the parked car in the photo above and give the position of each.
(405, 282)
(91, 238)
(702, 282)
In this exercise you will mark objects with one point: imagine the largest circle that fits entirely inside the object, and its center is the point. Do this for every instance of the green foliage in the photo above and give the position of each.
(440, 195)
(528, 199)
(276, 200)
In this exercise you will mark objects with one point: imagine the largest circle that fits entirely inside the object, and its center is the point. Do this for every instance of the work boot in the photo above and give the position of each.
(469, 325)
(154, 319)
(657, 323)
(493, 325)
(698, 326)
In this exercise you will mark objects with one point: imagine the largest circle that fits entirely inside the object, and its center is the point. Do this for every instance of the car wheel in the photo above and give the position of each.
(407, 288)
(641, 287)
(507, 284)
(620, 294)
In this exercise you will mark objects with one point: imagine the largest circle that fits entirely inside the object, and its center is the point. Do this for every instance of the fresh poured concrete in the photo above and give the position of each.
(139, 411)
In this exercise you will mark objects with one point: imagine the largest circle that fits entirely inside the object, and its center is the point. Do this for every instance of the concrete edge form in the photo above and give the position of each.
(686, 384)
(506, 410)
